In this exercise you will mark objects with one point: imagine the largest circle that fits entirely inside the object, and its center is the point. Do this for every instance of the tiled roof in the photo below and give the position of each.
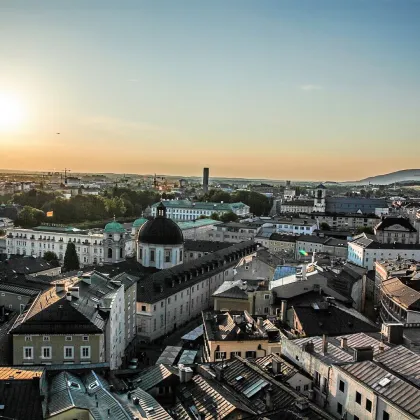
(25, 265)
(400, 293)
(206, 396)
(402, 361)
(398, 391)
(68, 391)
(152, 376)
(20, 373)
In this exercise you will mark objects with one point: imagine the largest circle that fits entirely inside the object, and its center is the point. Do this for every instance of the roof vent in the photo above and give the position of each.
(384, 382)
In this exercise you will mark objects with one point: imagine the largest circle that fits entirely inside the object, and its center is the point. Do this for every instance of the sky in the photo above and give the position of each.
(279, 89)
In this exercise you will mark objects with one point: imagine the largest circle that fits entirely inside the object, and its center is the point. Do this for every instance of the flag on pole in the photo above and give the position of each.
(50, 213)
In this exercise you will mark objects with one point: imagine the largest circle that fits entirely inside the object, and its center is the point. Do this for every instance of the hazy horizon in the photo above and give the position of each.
(301, 90)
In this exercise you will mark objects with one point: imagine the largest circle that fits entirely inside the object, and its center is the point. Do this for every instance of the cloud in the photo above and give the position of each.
(310, 87)
(133, 80)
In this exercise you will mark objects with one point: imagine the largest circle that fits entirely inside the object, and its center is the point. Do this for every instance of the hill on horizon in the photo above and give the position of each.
(391, 178)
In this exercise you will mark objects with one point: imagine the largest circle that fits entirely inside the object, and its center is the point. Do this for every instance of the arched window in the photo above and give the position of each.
(121, 253)
(109, 252)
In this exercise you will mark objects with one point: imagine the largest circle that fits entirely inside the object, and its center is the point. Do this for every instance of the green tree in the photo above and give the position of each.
(30, 217)
(201, 217)
(2, 232)
(215, 216)
(71, 260)
(259, 204)
(229, 217)
(50, 256)
(325, 226)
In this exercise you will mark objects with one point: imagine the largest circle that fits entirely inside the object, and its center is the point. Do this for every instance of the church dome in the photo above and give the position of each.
(114, 227)
(139, 222)
(161, 230)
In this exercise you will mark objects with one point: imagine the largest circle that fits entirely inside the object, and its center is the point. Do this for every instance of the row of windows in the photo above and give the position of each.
(46, 352)
(48, 338)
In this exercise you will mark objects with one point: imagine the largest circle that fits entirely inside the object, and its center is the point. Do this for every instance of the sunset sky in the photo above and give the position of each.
(281, 89)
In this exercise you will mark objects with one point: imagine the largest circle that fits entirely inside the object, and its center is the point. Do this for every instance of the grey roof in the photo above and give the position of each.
(153, 376)
(68, 391)
(312, 239)
(287, 370)
(148, 407)
(169, 355)
(18, 290)
(402, 361)
(204, 246)
(388, 222)
(361, 340)
(167, 282)
(397, 391)
(231, 290)
(283, 238)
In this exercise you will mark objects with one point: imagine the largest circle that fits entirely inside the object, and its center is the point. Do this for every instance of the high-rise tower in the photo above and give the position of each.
(206, 180)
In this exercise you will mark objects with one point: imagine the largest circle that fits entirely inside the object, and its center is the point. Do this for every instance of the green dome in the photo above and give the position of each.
(139, 222)
(114, 227)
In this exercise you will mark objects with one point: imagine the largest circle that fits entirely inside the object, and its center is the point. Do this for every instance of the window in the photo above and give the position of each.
(341, 386)
(69, 338)
(266, 310)
(22, 307)
(306, 387)
(250, 354)
(385, 416)
(266, 297)
(46, 352)
(152, 255)
(219, 355)
(85, 338)
(298, 388)
(167, 256)
(368, 405)
(46, 338)
(317, 379)
(169, 301)
(28, 352)
(85, 352)
(68, 352)
(28, 338)
(358, 398)
(355, 418)
(235, 353)
(339, 408)
(143, 308)
(141, 253)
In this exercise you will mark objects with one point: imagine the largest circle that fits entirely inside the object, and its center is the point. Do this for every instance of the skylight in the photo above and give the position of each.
(73, 385)
(384, 382)
(93, 385)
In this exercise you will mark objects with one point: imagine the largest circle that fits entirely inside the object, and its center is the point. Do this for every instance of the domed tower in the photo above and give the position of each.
(114, 243)
(138, 223)
(320, 196)
(160, 242)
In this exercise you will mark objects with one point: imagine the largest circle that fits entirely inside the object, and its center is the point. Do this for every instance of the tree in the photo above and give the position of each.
(215, 216)
(2, 232)
(229, 217)
(201, 217)
(325, 226)
(71, 260)
(30, 217)
(50, 256)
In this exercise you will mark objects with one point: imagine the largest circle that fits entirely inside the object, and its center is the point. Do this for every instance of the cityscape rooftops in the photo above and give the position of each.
(389, 222)
(405, 296)
(204, 246)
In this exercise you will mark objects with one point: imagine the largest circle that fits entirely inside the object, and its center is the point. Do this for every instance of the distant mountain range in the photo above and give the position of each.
(391, 178)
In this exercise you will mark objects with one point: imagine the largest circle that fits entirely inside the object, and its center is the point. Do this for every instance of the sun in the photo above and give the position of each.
(11, 112)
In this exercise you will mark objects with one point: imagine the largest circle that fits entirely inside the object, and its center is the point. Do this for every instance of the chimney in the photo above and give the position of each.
(393, 332)
(324, 344)
(136, 401)
(381, 347)
(283, 311)
(268, 400)
(302, 404)
(219, 373)
(276, 366)
(260, 322)
(344, 345)
(59, 287)
(361, 354)
(68, 296)
(74, 291)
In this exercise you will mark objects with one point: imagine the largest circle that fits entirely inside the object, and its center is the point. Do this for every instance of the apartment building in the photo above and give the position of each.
(346, 221)
(396, 229)
(317, 244)
(364, 250)
(183, 210)
(237, 333)
(232, 232)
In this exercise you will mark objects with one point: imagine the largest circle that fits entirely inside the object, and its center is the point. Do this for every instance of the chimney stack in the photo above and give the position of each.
(324, 344)
(283, 311)
(268, 400)
(344, 345)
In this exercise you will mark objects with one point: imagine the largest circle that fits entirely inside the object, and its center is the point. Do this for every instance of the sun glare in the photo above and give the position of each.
(11, 112)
